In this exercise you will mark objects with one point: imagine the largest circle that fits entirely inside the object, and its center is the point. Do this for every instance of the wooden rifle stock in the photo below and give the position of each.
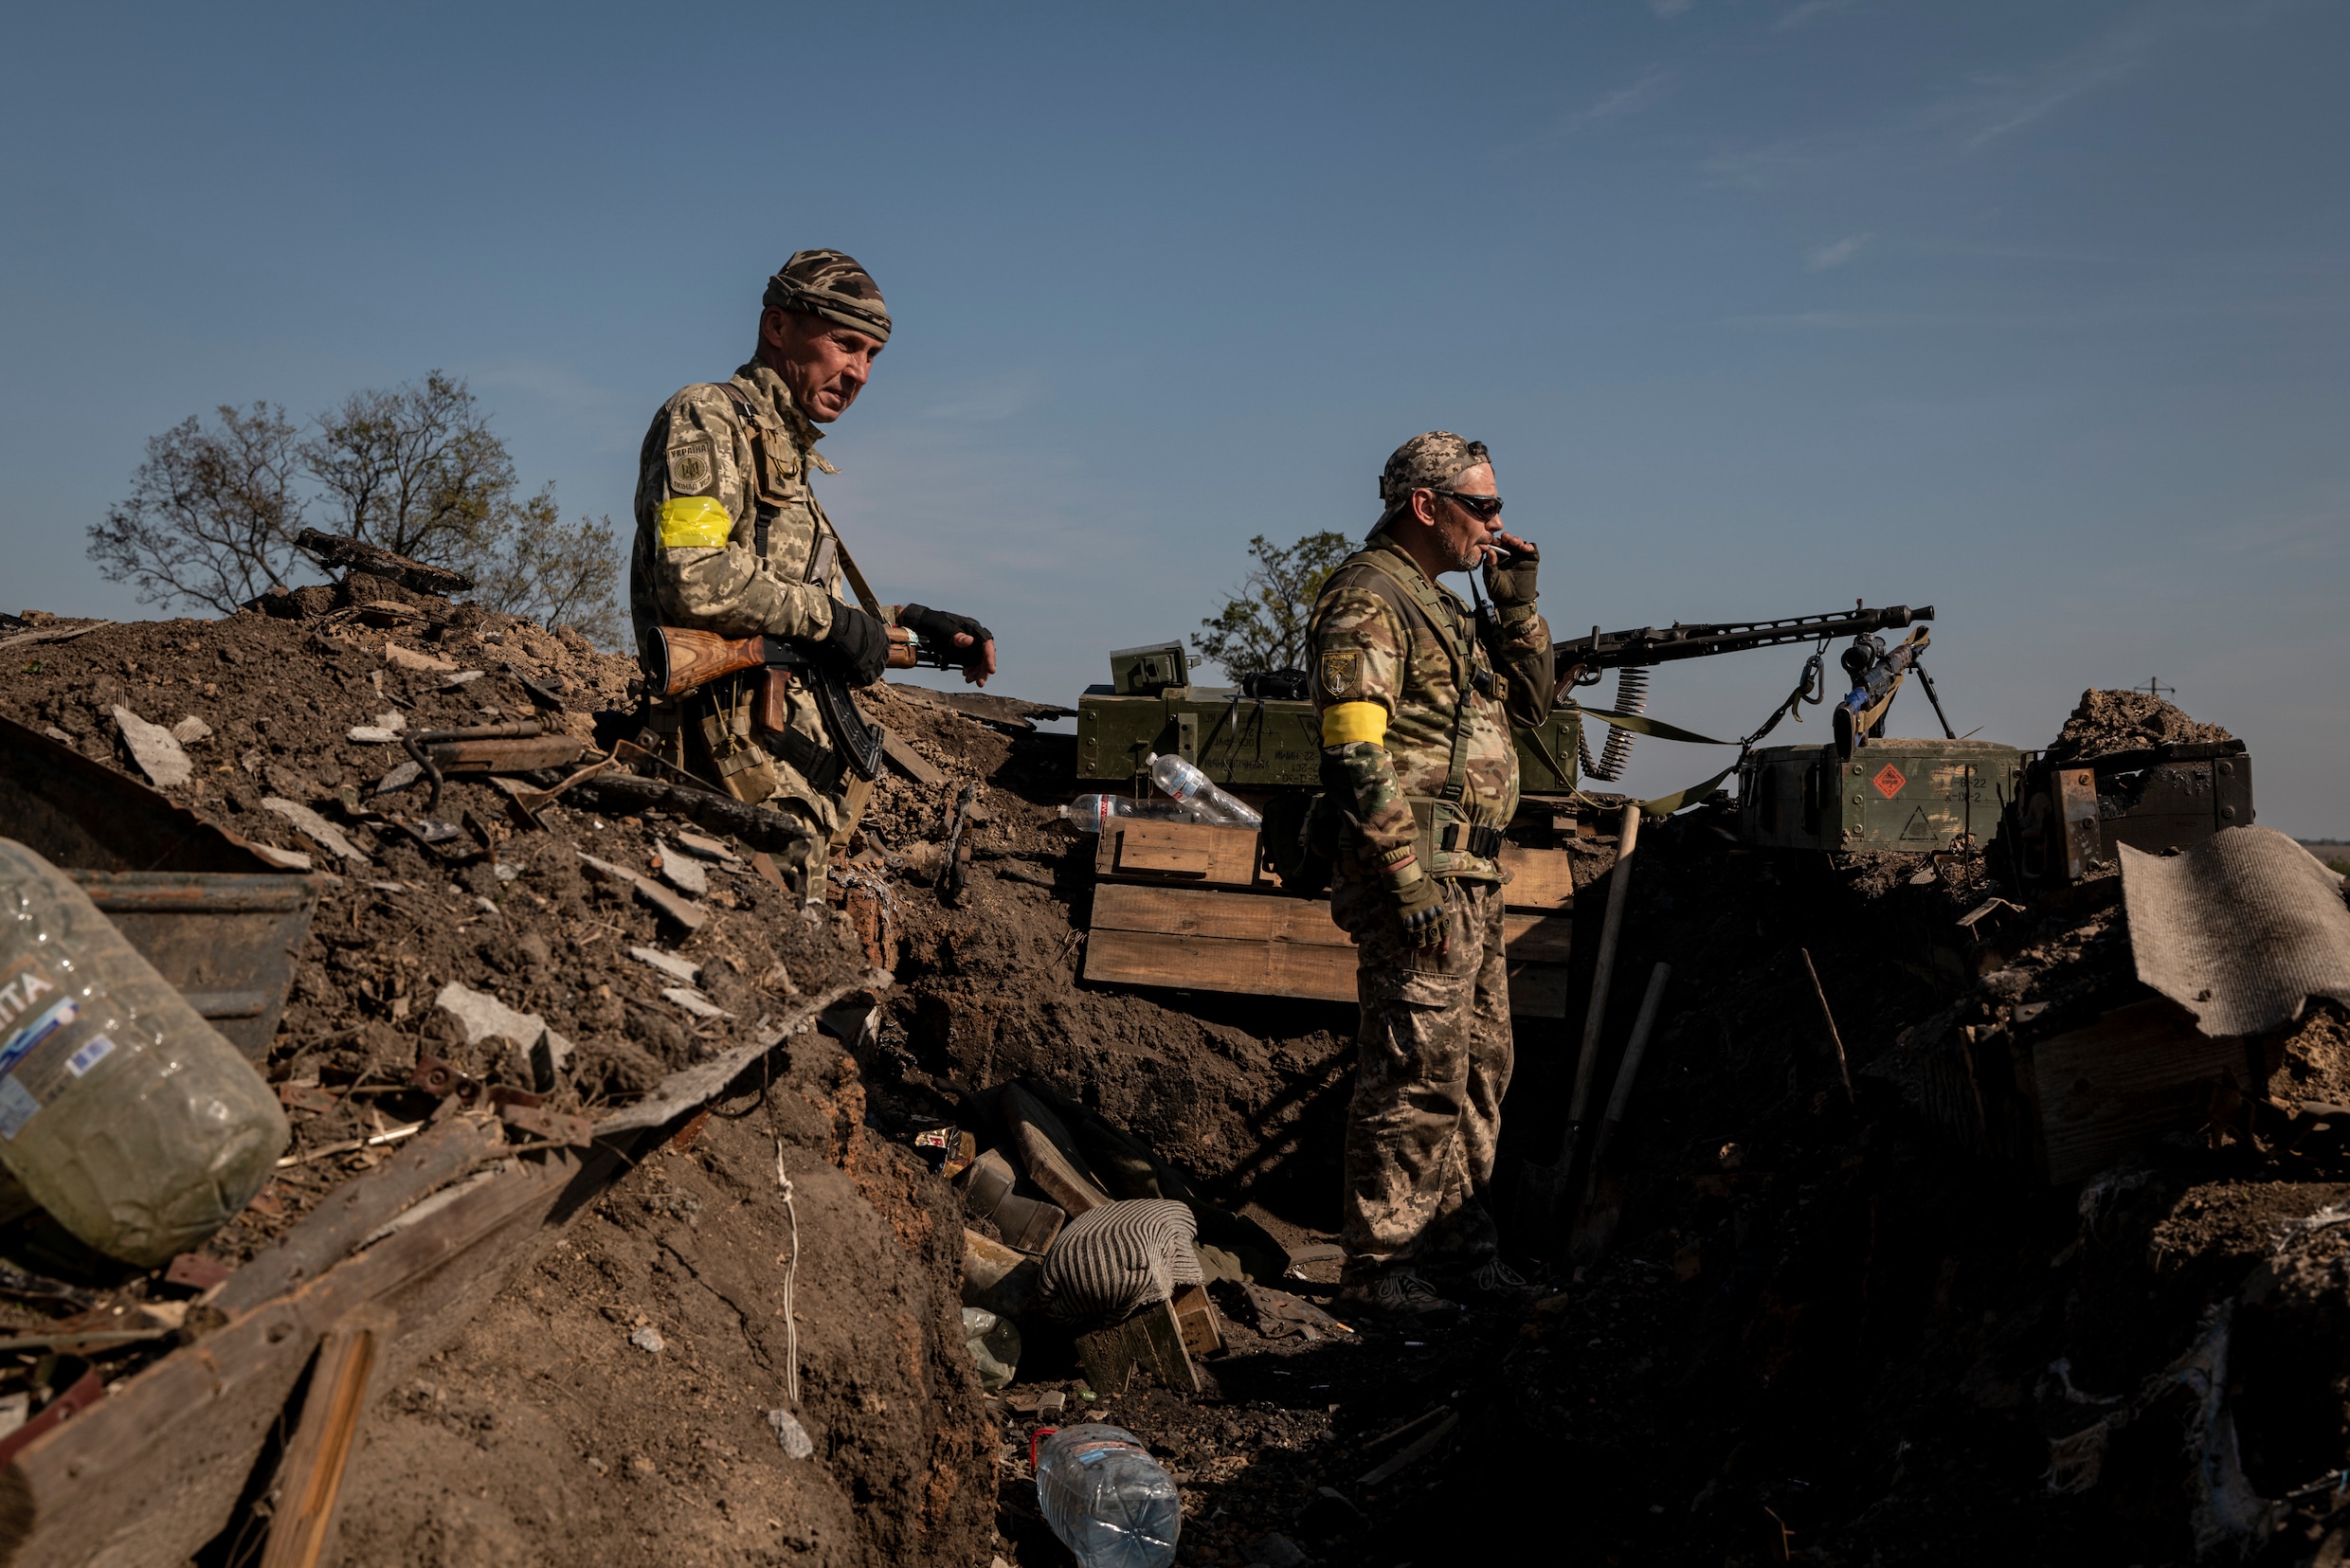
(685, 658)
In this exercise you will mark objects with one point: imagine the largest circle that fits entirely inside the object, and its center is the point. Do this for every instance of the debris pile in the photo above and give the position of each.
(1983, 1306)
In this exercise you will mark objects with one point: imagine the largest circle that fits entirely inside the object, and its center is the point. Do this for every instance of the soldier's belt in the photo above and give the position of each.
(1445, 832)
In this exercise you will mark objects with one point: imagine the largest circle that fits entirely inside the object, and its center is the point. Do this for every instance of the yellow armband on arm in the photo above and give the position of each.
(694, 521)
(1348, 722)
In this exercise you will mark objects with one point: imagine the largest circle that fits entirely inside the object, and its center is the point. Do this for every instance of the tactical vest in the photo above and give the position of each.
(1447, 831)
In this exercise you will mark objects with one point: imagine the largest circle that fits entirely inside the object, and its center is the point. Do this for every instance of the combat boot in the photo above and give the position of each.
(1396, 1293)
(1495, 1284)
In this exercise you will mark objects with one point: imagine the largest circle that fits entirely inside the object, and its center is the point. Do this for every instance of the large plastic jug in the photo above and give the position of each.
(123, 1113)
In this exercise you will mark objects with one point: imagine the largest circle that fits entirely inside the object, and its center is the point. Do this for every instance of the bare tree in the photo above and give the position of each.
(557, 576)
(211, 514)
(416, 470)
(1262, 627)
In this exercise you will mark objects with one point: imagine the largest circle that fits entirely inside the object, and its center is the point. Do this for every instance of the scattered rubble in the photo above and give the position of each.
(1836, 1330)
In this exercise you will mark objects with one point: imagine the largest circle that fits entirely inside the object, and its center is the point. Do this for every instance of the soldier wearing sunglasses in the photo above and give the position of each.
(1417, 696)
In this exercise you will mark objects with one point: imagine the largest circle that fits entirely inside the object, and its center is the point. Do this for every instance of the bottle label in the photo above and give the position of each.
(47, 1041)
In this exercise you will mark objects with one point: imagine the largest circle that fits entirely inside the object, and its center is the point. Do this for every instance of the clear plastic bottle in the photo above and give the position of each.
(1194, 788)
(1092, 813)
(123, 1112)
(1107, 1499)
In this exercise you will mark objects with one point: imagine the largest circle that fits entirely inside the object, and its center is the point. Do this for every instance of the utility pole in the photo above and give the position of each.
(2154, 688)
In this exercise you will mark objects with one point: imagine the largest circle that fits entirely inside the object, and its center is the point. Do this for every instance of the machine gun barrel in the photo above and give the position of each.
(1661, 645)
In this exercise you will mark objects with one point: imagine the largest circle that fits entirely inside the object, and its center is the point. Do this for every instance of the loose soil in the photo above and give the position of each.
(1829, 1327)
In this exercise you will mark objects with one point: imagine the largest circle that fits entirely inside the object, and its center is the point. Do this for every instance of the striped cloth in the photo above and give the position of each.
(1109, 1263)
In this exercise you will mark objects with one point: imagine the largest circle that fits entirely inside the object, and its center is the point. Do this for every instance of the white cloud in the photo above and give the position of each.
(1621, 101)
(1835, 254)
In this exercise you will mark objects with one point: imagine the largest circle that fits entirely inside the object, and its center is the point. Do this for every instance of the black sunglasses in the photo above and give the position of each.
(1483, 508)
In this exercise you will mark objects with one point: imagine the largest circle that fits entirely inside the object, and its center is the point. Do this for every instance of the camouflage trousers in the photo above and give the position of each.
(1433, 1059)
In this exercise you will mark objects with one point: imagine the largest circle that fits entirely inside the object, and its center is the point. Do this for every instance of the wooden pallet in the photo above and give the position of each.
(1184, 905)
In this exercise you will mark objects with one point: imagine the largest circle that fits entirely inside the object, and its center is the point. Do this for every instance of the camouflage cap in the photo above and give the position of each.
(829, 283)
(1429, 461)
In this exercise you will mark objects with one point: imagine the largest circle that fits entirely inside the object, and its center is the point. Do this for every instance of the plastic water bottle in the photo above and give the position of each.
(1092, 813)
(1195, 788)
(123, 1112)
(1107, 1499)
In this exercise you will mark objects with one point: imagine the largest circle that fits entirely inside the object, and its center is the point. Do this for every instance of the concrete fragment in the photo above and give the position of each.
(648, 1340)
(791, 1435)
(154, 749)
(679, 873)
(315, 828)
(460, 679)
(384, 730)
(399, 778)
(696, 1004)
(190, 729)
(484, 1016)
(669, 963)
(408, 658)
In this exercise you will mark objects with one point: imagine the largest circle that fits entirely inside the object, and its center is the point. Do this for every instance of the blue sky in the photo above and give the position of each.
(2035, 313)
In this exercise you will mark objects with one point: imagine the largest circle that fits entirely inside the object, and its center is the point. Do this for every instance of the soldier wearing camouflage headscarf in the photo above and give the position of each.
(730, 539)
(1417, 697)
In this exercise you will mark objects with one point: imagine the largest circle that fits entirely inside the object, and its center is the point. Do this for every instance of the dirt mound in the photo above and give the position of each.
(2109, 722)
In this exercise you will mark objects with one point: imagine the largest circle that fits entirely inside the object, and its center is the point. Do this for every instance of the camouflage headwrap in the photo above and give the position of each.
(1431, 461)
(830, 284)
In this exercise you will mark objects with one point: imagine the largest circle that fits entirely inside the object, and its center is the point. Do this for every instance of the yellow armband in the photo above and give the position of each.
(1347, 722)
(694, 521)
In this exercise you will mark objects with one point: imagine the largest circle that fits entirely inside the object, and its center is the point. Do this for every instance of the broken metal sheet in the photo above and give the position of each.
(687, 1089)
(154, 749)
(2241, 930)
(317, 828)
(190, 729)
(709, 849)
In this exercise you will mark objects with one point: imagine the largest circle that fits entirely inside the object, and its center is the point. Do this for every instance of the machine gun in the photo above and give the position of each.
(1631, 654)
(683, 658)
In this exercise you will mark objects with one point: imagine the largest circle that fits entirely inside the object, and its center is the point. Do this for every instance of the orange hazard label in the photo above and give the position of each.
(1888, 781)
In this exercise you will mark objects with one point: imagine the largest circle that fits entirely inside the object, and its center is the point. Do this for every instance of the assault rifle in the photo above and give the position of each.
(1651, 645)
(683, 658)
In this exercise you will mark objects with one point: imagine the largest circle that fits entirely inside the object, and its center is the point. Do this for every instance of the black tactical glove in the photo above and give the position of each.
(936, 629)
(862, 642)
(1513, 583)
(1422, 908)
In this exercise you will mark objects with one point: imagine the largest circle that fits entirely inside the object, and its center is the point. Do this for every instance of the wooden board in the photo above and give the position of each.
(2139, 1072)
(1542, 880)
(1196, 853)
(1264, 945)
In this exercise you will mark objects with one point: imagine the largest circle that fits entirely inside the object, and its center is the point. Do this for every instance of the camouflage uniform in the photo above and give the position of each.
(727, 530)
(1426, 796)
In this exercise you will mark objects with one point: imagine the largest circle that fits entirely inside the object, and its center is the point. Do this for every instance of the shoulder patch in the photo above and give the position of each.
(693, 463)
(1342, 670)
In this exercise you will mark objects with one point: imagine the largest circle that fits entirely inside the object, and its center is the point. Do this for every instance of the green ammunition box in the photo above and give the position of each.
(1914, 796)
(1242, 743)
(1147, 672)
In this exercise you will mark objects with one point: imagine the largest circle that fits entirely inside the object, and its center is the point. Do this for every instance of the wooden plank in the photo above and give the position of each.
(1200, 911)
(1537, 990)
(1539, 879)
(909, 762)
(1201, 854)
(1541, 938)
(311, 1480)
(2111, 1087)
(149, 1476)
(1209, 964)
